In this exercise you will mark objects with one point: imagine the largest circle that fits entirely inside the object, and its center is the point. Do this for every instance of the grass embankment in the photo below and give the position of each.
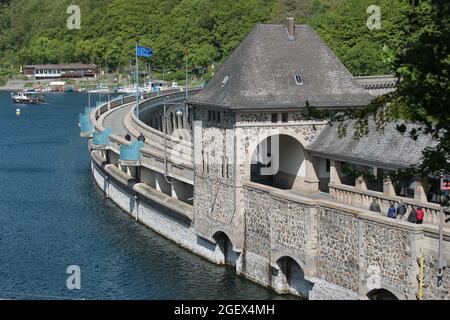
(4, 76)
(7, 73)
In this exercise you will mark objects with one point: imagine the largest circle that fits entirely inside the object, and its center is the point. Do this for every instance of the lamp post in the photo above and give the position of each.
(179, 112)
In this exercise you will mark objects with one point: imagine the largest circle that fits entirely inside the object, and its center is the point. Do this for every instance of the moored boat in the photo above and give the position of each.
(27, 97)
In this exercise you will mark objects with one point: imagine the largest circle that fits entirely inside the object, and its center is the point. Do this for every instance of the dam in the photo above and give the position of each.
(240, 175)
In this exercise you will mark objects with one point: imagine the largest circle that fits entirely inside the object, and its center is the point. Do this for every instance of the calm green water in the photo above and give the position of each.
(52, 215)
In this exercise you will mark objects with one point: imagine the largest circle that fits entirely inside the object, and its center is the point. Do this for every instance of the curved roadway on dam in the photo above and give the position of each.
(115, 120)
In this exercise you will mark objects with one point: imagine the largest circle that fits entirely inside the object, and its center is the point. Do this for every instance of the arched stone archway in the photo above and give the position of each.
(291, 278)
(381, 294)
(279, 161)
(225, 245)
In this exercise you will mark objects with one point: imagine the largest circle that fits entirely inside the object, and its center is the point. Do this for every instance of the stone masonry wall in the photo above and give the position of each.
(288, 224)
(274, 224)
(351, 250)
(214, 190)
(257, 208)
(385, 248)
(338, 249)
(213, 201)
(431, 290)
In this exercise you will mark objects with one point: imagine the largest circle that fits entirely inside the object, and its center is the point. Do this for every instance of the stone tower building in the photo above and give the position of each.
(250, 123)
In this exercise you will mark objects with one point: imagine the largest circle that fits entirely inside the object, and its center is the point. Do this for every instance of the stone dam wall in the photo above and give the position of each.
(314, 248)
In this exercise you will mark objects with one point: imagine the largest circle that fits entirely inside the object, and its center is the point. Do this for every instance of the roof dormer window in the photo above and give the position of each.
(298, 80)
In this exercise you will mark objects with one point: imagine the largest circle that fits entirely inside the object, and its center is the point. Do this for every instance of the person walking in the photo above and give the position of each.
(141, 137)
(392, 212)
(401, 211)
(128, 137)
(375, 207)
(420, 215)
(412, 217)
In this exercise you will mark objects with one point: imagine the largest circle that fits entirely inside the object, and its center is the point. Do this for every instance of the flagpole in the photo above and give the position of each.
(137, 82)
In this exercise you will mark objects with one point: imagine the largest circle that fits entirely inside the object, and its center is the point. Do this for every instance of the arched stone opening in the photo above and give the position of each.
(381, 294)
(292, 278)
(226, 247)
(279, 161)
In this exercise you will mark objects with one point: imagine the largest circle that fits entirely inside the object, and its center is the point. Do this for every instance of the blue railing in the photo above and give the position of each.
(85, 121)
(101, 138)
(131, 152)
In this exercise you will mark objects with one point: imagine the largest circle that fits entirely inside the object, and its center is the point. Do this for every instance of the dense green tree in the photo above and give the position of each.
(420, 57)
(212, 29)
(423, 63)
(345, 30)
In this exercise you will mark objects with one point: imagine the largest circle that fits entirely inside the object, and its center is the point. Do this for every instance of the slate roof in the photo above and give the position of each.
(389, 149)
(261, 74)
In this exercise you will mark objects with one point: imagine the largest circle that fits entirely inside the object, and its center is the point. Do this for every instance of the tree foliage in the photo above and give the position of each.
(34, 31)
(423, 96)
(421, 60)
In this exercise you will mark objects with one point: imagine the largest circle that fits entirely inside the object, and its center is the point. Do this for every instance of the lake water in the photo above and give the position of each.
(52, 215)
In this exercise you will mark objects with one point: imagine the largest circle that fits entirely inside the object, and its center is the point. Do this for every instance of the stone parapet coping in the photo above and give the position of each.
(156, 149)
(357, 212)
(181, 208)
(164, 200)
(116, 140)
(138, 124)
(98, 158)
(375, 194)
(255, 124)
(120, 176)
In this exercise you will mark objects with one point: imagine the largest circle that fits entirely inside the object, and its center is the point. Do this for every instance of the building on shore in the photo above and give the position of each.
(55, 71)
(262, 186)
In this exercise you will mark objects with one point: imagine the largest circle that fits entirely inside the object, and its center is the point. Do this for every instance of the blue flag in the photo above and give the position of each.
(143, 51)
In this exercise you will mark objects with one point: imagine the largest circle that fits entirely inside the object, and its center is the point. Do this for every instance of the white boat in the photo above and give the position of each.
(27, 97)
(126, 89)
(131, 89)
(100, 89)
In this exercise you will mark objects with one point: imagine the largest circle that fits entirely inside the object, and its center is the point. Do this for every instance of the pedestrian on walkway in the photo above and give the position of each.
(128, 137)
(420, 216)
(375, 207)
(401, 211)
(141, 137)
(412, 217)
(392, 212)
